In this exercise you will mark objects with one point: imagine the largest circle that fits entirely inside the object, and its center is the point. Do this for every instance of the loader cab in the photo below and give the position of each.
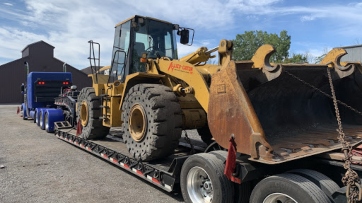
(139, 35)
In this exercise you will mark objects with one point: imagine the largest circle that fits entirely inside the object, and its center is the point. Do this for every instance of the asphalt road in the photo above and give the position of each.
(38, 167)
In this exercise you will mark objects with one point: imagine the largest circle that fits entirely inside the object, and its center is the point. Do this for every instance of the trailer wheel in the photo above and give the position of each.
(289, 188)
(89, 113)
(203, 180)
(243, 190)
(327, 185)
(152, 121)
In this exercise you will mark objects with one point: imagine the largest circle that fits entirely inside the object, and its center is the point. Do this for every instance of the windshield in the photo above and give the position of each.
(157, 39)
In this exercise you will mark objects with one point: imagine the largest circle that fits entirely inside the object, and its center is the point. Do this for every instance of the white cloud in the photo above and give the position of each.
(12, 41)
(307, 18)
(8, 4)
(312, 50)
(68, 24)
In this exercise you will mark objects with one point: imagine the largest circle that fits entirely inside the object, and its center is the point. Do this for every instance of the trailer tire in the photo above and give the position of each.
(152, 121)
(88, 113)
(205, 170)
(243, 190)
(327, 185)
(288, 187)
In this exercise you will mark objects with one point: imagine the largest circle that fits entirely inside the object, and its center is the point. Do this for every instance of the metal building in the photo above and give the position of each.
(354, 53)
(40, 57)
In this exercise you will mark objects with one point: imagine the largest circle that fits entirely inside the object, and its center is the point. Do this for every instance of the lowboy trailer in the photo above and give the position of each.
(313, 174)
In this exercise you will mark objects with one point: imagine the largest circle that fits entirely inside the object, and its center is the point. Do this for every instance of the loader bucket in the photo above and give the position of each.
(284, 112)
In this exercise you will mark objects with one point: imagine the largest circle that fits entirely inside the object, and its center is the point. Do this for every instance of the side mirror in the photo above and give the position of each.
(22, 87)
(185, 36)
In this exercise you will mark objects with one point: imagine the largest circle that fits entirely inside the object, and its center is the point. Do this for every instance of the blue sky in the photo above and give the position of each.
(315, 26)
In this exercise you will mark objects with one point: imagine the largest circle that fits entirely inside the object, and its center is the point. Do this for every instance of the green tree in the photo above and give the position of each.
(297, 58)
(246, 44)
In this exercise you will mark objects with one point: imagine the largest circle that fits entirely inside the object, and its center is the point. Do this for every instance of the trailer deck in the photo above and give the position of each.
(163, 173)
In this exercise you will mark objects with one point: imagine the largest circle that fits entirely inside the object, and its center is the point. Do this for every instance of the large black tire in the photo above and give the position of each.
(243, 190)
(89, 113)
(327, 185)
(203, 180)
(287, 186)
(152, 121)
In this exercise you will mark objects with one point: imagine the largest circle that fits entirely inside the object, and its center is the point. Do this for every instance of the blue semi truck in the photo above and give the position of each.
(49, 97)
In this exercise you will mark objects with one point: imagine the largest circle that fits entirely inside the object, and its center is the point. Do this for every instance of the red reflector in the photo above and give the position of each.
(155, 180)
(139, 172)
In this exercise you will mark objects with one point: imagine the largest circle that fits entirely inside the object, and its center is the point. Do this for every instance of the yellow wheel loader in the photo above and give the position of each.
(274, 112)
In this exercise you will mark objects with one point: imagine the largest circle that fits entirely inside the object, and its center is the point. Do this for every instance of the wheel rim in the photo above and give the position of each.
(84, 113)
(279, 198)
(36, 117)
(46, 121)
(137, 123)
(199, 185)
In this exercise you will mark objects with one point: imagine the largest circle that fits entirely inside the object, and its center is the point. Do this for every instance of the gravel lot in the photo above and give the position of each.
(38, 167)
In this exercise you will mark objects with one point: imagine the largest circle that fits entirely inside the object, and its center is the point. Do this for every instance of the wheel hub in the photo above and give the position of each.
(207, 186)
(84, 113)
(279, 198)
(199, 185)
(137, 123)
